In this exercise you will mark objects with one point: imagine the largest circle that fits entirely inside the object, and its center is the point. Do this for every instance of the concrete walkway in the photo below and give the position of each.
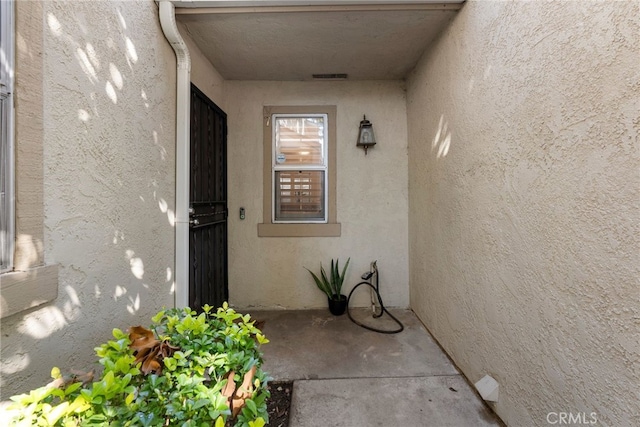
(345, 375)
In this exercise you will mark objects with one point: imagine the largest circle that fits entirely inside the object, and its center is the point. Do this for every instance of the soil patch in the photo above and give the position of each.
(279, 404)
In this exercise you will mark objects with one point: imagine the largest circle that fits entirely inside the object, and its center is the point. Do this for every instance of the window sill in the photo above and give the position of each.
(22, 290)
(299, 230)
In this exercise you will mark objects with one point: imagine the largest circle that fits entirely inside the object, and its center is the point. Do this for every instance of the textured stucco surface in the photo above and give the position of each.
(372, 199)
(29, 248)
(109, 113)
(523, 124)
(203, 74)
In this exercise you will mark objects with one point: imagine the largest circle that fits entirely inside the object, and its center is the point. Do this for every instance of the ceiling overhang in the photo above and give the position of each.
(292, 40)
(221, 5)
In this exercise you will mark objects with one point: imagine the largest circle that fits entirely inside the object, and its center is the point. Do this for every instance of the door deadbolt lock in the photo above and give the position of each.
(242, 216)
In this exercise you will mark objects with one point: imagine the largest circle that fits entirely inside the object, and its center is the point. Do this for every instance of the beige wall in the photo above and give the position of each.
(524, 204)
(32, 282)
(29, 132)
(203, 74)
(268, 272)
(108, 163)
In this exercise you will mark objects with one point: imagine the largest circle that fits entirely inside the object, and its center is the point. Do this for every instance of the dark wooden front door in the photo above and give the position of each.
(208, 276)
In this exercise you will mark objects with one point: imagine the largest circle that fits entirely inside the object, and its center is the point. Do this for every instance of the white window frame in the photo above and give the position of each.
(275, 167)
(267, 228)
(7, 143)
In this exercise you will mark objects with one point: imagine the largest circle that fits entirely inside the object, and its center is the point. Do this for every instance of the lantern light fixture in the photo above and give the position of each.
(366, 137)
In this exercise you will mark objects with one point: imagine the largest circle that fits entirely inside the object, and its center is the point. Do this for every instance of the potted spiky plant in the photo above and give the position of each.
(331, 285)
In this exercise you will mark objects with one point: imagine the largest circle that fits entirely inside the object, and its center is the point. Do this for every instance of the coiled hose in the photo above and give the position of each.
(383, 309)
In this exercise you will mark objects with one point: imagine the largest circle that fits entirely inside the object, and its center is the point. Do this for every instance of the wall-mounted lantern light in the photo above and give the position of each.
(366, 138)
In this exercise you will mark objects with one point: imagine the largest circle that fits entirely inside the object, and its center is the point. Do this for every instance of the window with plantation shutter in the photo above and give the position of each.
(300, 179)
(299, 168)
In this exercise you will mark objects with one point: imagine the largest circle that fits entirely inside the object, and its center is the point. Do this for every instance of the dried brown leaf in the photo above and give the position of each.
(243, 393)
(141, 338)
(167, 350)
(230, 387)
(148, 350)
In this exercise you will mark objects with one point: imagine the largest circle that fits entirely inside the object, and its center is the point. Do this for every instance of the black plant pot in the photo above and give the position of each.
(337, 305)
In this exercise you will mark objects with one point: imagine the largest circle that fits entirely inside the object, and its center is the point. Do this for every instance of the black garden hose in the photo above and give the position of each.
(382, 308)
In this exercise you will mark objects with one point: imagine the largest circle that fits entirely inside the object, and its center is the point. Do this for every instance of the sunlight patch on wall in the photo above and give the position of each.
(137, 268)
(143, 95)
(117, 235)
(442, 140)
(111, 92)
(83, 115)
(92, 55)
(162, 204)
(132, 55)
(73, 296)
(72, 307)
(86, 65)
(116, 76)
(54, 24)
(15, 363)
(94, 98)
(22, 47)
(123, 23)
(169, 274)
(134, 304)
(43, 323)
(27, 250)
(119, 291)
(163, 151)
(136, 264)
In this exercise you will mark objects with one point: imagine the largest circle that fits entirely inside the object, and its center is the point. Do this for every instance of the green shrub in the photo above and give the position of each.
(192, 370)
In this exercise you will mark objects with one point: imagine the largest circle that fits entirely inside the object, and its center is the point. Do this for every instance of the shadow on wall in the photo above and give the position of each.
(110, 171)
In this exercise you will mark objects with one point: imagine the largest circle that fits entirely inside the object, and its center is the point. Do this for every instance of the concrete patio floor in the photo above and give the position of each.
(345, 375)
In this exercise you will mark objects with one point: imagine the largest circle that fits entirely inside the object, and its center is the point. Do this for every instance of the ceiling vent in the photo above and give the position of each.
(338, 76)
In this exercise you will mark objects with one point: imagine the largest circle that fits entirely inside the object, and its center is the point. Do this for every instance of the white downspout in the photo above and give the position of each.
(183, 91)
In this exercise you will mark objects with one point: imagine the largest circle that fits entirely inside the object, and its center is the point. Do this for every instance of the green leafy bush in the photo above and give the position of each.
(192, 370)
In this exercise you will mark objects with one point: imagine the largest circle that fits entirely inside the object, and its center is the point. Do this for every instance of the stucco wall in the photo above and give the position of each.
(109, 184)
(372, 202)
(203, 74)
(523, 124)
(29, 249)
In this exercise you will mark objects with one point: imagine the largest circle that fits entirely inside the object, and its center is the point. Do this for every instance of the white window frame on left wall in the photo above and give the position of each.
(7, 163)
